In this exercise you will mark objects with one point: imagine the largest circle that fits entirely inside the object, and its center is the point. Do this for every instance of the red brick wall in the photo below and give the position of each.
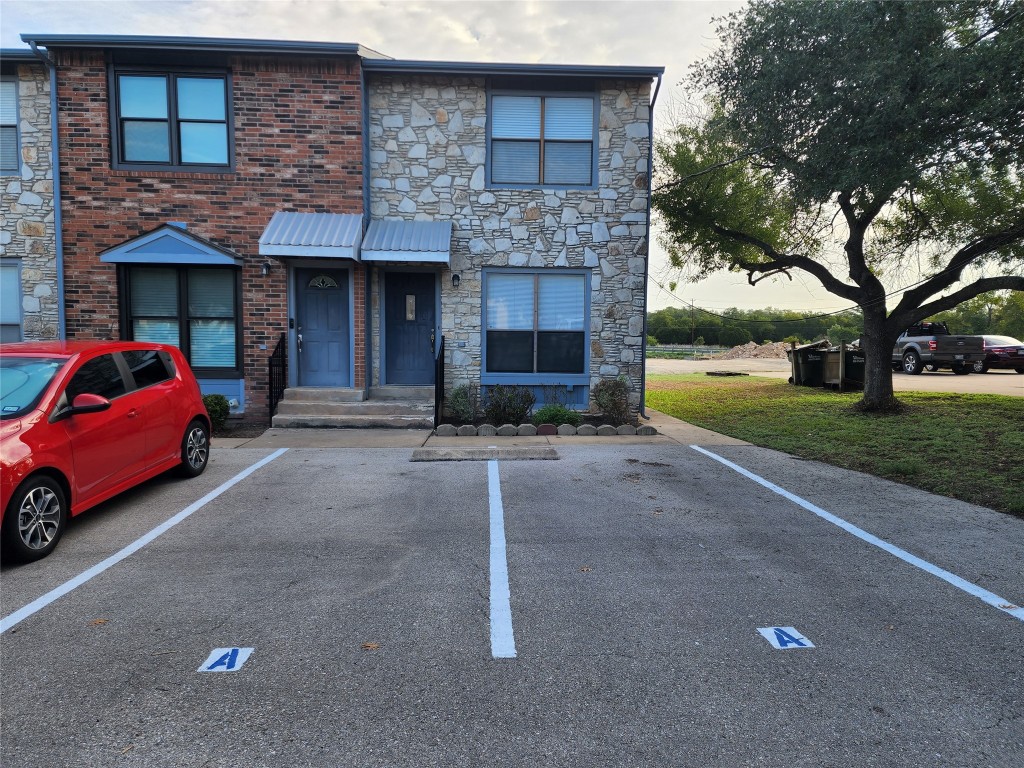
(298, 147)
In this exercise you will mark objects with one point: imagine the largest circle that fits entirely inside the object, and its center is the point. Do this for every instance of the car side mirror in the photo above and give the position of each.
(86, 403)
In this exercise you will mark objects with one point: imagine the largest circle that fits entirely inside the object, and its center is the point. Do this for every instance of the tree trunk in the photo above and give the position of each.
(877, 343)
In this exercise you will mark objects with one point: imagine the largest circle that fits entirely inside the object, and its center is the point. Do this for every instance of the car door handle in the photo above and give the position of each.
(132, 413)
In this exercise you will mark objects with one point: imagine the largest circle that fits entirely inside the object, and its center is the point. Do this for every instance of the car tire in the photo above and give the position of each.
(962, 369)
(932, 368)
(35, 520)
(1019, 370)
(911, 363)
(980, 367)
(195, 449)
(896, 367)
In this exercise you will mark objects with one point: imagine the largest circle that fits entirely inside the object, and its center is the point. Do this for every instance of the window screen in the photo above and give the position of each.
(192, 308)
(542, 140)
(173, 119)
(536, 323)
(9, 161)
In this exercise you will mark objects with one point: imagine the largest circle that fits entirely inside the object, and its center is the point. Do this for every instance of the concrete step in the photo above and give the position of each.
(353, 422)
(326, 394)
(402, 393)
(363, 408)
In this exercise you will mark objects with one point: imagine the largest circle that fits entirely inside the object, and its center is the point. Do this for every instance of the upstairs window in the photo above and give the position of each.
(172, 119)
(9, 160)
(544, 140)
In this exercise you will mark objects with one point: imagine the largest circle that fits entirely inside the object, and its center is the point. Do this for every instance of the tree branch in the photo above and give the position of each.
(704, 171)
(957, 263)
(906, 317)
(781, 262)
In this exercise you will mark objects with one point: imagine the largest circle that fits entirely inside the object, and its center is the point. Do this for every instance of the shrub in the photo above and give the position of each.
(557, 414)
(463, 403)
(218, 409)
(508, 404)
(651, 341)
(611, 396)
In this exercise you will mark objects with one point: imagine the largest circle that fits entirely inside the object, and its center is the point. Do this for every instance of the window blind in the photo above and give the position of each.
(515, 117)
(510, 302)
(560, 303)
(568, 118)
(154, 293)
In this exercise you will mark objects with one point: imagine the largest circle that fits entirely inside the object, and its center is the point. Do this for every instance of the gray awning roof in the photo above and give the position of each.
(317, 235)
(423, 242)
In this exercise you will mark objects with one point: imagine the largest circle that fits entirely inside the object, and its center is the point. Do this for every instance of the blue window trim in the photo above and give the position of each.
(170, 73)
(536, 379)
(593, 94)
(16, 171)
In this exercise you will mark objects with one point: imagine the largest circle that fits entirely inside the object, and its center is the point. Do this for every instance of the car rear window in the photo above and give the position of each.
(23, 381)
(148, 366)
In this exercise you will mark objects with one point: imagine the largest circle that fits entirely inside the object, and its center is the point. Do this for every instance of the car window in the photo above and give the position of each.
(99, 376)
(148, 366)
(23, 381)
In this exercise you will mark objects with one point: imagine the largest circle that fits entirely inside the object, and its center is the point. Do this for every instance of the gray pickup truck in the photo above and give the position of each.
(931, 345)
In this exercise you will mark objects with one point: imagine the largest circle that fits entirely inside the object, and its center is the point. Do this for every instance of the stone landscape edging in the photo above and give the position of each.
(529, 430)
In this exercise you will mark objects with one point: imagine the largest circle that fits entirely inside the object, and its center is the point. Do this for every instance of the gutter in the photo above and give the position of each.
(367, 268)
(647, 261)
(58, 225)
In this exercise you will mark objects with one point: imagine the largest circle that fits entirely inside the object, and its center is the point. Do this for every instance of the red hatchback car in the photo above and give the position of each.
(81, 421)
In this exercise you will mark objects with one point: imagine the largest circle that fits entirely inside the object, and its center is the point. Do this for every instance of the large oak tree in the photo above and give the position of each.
(877, 146)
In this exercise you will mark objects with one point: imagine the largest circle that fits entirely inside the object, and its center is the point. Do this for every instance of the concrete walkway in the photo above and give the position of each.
(670, 431)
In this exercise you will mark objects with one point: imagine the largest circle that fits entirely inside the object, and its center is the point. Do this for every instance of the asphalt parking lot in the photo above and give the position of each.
(639, 576)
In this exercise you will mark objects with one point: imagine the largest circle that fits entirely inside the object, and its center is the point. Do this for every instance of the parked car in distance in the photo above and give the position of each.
(81, 421)
(931, 345)
(1002, 352)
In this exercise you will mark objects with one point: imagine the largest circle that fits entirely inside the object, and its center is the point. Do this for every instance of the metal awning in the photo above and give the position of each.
(315, 235)
(418, 242)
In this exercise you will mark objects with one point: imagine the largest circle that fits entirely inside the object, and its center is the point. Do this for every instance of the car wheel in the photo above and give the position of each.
(932, 368)
(35, 519)
(962, 370)
(980, 367)
(912, 363)
(195, 449)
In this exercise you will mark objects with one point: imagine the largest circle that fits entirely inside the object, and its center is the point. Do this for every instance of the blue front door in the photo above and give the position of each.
(323, 337)
(410, 318)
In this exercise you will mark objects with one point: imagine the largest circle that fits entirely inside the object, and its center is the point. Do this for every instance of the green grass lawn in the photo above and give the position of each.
(970, 447)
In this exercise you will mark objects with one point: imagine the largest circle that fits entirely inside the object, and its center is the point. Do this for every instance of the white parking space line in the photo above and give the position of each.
(503, 643)
(972, 589)
(37, 605)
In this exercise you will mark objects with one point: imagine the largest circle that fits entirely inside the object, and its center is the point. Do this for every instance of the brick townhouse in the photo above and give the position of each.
(227, 195)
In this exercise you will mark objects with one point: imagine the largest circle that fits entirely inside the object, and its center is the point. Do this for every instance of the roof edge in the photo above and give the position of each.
(224, 44)
(410, 66)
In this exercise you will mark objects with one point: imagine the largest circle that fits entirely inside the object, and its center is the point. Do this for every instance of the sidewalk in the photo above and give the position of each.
(670, 431)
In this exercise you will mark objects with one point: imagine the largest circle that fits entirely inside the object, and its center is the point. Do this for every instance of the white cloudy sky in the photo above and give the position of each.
(669, 33)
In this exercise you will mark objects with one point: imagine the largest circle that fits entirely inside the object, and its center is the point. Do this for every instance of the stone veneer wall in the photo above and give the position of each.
(27, 229)
(428, 140)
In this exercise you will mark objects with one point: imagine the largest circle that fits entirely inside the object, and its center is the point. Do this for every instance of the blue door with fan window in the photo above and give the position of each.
(410, 320)
(323, 336)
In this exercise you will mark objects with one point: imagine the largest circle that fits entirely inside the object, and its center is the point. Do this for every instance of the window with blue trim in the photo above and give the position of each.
(172, 119)
(192, 308)
(535, 322)
(538, 139)
(10, 156)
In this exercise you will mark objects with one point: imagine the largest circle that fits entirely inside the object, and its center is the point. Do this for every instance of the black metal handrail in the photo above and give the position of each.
(438, 382)
(278, 373)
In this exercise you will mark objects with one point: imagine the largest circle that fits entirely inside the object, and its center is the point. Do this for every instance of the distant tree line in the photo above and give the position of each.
(990, 313)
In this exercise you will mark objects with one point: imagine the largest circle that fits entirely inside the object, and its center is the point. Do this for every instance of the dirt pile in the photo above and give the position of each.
(752, 350)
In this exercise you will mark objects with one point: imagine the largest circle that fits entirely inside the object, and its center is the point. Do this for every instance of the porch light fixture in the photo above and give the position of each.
(265, 268)
(456, 279)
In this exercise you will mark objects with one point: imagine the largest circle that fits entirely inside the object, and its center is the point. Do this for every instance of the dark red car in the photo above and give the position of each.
(83, 421)
(1002, 352)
